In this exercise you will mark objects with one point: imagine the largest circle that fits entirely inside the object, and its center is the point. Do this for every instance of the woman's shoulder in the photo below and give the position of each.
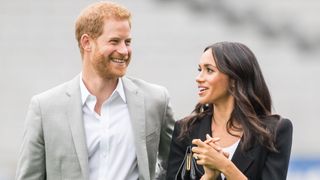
(284, 126)
(189, 127)
(192, 121)
(278, 123)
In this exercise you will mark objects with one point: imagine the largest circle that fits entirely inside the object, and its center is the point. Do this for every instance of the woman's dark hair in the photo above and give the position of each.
(252, 108)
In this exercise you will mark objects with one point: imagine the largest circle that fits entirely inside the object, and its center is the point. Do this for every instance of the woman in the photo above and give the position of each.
(233, 133)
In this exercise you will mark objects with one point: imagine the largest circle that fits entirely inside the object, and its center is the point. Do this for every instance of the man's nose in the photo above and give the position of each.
(123, 49)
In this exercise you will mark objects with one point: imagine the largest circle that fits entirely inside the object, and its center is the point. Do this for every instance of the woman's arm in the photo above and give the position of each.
(176, 154)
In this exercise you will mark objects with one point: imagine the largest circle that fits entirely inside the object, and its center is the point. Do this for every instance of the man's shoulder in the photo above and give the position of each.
(59, 90)
(144, 85)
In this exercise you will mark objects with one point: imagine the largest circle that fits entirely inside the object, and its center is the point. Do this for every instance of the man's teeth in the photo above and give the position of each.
(118, 60)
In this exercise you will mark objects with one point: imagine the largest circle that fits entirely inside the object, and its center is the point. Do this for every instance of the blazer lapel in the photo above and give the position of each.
(202, 129)
(243, 160)
(75, 120)
(135, 100)
(205, 127)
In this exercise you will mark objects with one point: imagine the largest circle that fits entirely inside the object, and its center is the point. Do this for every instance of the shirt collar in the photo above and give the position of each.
(120, 90)
(85, 92)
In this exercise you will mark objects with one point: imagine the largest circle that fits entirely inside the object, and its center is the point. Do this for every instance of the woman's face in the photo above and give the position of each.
(212, 84)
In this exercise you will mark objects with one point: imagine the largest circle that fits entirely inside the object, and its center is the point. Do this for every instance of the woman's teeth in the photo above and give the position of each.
(202, 89)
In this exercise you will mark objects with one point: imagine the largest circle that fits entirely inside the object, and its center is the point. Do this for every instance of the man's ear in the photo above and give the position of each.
(86, 42)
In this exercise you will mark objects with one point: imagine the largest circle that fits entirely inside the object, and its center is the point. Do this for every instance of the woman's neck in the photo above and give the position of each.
(222, 112)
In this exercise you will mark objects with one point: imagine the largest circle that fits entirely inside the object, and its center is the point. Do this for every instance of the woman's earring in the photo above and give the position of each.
(205, 107)
(233, 84)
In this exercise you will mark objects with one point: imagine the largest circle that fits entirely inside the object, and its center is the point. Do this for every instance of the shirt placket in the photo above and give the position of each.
(105, 141)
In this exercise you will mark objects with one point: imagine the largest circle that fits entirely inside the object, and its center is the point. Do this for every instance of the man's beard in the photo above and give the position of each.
(104, 67)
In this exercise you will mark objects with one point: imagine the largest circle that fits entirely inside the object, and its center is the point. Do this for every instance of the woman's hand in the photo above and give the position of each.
(210, 154)
(214, 142)
(214, 160)
(211, 173)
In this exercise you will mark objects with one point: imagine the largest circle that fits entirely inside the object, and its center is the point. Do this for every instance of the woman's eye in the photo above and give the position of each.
(209, 70)
(199, 69)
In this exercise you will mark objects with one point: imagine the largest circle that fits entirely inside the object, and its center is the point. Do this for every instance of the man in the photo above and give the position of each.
(100, 125)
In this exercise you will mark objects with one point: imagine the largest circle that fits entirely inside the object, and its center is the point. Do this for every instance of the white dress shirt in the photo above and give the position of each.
(109, 137)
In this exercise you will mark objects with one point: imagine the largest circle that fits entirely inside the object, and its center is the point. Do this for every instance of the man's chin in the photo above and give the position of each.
(121, 73)
(111, 76)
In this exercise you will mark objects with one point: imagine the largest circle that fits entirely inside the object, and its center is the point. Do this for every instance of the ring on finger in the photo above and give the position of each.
(196, 156)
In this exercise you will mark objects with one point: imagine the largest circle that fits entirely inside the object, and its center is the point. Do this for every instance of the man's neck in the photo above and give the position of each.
(100, 87)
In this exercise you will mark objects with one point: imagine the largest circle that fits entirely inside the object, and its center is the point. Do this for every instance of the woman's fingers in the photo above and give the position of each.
(213, 142)
(211, 139)
(226, 154)
(215, 146)
(196, 156)
(202, 147)
(199, 143)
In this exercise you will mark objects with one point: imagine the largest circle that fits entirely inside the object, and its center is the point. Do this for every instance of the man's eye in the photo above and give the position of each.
(199, 69)
(128, 43)
(114, 41)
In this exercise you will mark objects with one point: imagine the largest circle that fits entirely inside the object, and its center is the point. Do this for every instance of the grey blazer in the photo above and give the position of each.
(54, 145)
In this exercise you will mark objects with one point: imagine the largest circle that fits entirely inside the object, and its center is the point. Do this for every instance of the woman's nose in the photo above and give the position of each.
(199, 77)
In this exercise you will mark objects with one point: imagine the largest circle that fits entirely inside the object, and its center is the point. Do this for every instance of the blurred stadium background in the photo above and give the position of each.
(38, 51)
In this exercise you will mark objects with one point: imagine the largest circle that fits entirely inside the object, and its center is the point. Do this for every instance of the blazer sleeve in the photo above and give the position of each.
(176, 155)
(276, 164)
(31, 162)
(165, 137)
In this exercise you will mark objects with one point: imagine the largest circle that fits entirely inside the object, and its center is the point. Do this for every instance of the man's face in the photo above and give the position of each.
(112, 50)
